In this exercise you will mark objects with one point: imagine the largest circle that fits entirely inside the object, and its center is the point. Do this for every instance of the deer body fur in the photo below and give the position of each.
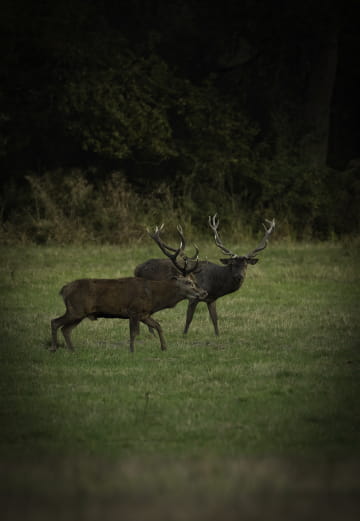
(215, 279)
(130, 298)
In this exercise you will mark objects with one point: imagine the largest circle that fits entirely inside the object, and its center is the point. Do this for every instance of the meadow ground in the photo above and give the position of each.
(261, 422)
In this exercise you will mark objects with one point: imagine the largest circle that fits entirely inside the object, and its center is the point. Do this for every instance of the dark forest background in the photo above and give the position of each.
(118, 112)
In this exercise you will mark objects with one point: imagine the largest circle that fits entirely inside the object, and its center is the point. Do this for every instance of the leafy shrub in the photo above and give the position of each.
(68, 208)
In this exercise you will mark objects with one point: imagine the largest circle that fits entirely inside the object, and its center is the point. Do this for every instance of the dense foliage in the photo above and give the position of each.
(196, 121)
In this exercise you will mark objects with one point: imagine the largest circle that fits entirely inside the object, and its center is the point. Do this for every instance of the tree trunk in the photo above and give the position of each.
(318, 96)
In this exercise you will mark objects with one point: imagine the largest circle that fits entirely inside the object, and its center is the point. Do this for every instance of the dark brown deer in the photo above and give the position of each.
(216, 280)
(133, 298)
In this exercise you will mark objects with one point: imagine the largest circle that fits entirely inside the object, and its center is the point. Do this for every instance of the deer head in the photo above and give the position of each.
(238, 263)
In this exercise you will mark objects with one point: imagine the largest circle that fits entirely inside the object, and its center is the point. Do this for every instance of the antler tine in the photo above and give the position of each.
(196, 256)
(187, 270)
(182, 238)
(176, 252)
(214, 224)
(183, 245)
(263, 243)
(164, 247)
(185, 257)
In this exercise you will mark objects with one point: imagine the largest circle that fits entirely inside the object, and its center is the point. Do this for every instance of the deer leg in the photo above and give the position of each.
(66, 331)
(190, 313)
(151, 330)
(149, 321)
(213, 315)
(55, 324)
(134, 331)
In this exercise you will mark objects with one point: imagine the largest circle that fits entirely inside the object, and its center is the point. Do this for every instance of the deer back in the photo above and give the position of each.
(216, 280)
(156, 269)
(126, 296)
(108, 296)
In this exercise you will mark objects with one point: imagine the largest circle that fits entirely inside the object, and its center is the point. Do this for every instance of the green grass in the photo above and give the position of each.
(265, 416)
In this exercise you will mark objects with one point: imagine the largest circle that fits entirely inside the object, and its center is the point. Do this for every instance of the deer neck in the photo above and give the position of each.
(220, 280)
(167, 297)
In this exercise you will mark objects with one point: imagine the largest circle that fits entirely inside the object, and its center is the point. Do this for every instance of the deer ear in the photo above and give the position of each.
(253, 261)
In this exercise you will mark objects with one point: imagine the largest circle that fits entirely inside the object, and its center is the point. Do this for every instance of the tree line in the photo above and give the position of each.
(191, 107)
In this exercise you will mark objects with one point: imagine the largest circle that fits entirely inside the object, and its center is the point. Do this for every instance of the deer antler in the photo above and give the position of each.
(182, 238)
(263, 243)
(214, 224)
(175, 252)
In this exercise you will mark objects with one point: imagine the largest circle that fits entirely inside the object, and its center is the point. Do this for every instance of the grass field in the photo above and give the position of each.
(262, 422)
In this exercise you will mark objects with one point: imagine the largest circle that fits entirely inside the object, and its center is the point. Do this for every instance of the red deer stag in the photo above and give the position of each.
(131, 298)
(216, 280)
